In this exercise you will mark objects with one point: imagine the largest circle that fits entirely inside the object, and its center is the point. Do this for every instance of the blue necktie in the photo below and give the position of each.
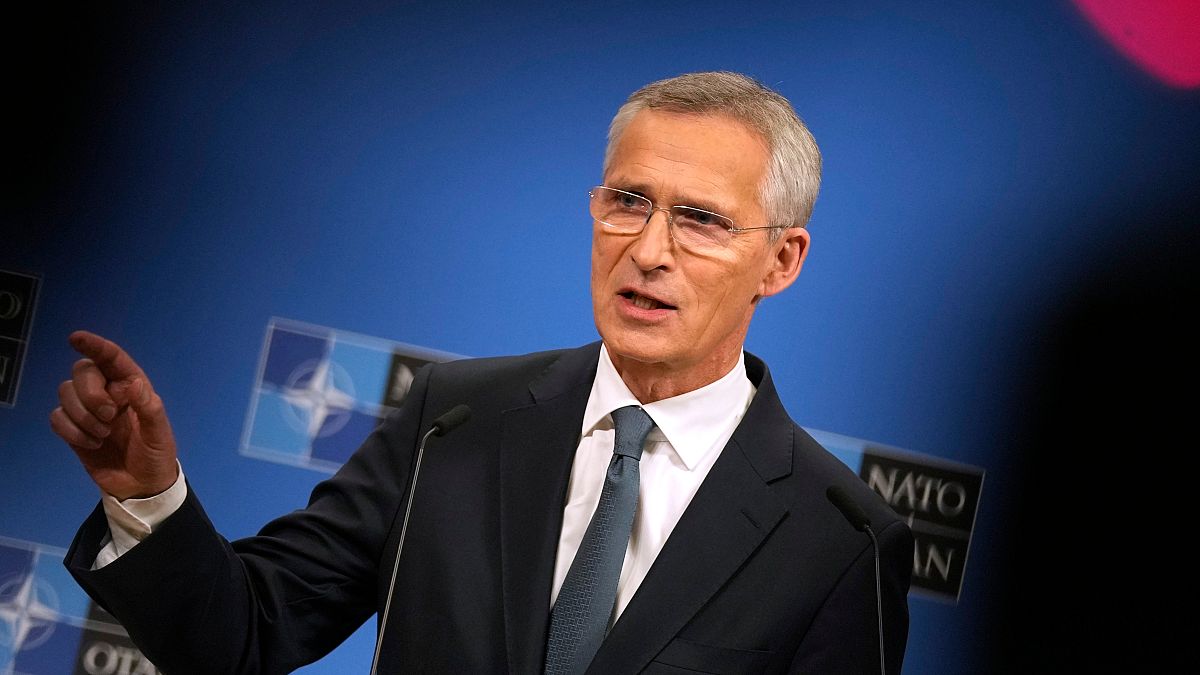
(585, 602)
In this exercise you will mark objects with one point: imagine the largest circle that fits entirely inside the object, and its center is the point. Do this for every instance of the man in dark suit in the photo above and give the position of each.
(735, 560)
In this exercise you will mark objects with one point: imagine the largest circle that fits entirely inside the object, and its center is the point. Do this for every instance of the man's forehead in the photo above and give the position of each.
(704, 158)
(724, 136)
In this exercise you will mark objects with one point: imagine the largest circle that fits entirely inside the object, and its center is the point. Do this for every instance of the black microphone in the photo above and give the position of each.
(450, 420)
(447, 422)
(859, 520)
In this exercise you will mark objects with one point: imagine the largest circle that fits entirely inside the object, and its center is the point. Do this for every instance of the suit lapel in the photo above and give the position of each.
(733, 512)
(537, 447)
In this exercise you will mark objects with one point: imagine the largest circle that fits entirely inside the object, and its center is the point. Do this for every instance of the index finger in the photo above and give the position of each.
(108, 357)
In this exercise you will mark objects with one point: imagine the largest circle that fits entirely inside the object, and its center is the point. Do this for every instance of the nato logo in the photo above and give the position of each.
(18, 294)
(49, 626)
(320, 391)
(939, 499)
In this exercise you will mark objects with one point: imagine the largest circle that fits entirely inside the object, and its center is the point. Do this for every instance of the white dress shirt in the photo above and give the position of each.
(690, 430)
(132, 520)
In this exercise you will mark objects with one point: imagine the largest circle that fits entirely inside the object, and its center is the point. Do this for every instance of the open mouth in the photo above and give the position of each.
(643, 302)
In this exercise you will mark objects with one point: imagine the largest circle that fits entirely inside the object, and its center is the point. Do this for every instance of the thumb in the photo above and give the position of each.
(141, 398)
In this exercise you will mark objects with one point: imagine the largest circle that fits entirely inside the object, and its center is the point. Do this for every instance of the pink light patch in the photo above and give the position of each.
(1161, 36)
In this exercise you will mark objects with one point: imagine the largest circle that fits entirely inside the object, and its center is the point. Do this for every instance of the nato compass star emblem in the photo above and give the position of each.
(320, 392)
(49, 626)
(28, 612)
(316, 404)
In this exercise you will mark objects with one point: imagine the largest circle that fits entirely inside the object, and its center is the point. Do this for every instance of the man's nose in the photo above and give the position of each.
(652, 249)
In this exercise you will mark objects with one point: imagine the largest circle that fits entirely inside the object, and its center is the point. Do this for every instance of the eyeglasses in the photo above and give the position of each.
(624, 212)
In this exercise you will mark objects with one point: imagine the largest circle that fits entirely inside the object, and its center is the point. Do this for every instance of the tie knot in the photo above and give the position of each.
(632, 426)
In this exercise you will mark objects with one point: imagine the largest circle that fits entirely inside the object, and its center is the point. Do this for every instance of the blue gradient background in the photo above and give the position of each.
(419, 171)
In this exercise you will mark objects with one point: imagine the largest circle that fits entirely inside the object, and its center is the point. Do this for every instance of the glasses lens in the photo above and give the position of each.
(620, 210)
(696, 228)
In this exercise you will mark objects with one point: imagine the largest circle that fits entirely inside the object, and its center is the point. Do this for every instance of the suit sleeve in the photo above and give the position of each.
(843, 637)
(196, 603)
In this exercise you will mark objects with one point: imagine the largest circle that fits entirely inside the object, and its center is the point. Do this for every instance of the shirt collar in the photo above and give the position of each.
(689, 422)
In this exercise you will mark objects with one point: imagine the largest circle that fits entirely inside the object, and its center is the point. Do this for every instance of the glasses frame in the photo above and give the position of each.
(732, 228)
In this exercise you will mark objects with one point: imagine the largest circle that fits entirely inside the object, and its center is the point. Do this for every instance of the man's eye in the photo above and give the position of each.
(629, 201)
(697, 219)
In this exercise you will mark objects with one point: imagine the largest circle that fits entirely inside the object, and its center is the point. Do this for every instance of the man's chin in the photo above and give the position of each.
(636, 350)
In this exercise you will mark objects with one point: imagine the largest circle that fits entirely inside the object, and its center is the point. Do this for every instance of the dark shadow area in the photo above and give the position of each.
(69, 72)
(1099, 576)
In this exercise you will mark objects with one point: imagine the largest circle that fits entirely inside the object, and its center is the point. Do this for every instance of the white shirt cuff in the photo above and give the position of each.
(132, 520)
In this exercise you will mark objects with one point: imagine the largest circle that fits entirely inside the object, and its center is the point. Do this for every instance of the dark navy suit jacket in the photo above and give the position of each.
(761, 573)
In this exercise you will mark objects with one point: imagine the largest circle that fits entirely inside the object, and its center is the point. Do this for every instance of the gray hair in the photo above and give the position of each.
(793, 178)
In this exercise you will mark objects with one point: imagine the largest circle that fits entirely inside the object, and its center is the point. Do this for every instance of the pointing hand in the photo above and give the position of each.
(112, 418)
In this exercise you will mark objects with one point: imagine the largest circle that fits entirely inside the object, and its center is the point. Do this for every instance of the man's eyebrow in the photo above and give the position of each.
(629, 186)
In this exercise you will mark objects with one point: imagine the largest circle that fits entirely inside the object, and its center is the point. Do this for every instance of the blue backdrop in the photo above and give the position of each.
(419, 172)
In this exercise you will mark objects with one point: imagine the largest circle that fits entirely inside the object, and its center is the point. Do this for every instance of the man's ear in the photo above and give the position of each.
(787, 257)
